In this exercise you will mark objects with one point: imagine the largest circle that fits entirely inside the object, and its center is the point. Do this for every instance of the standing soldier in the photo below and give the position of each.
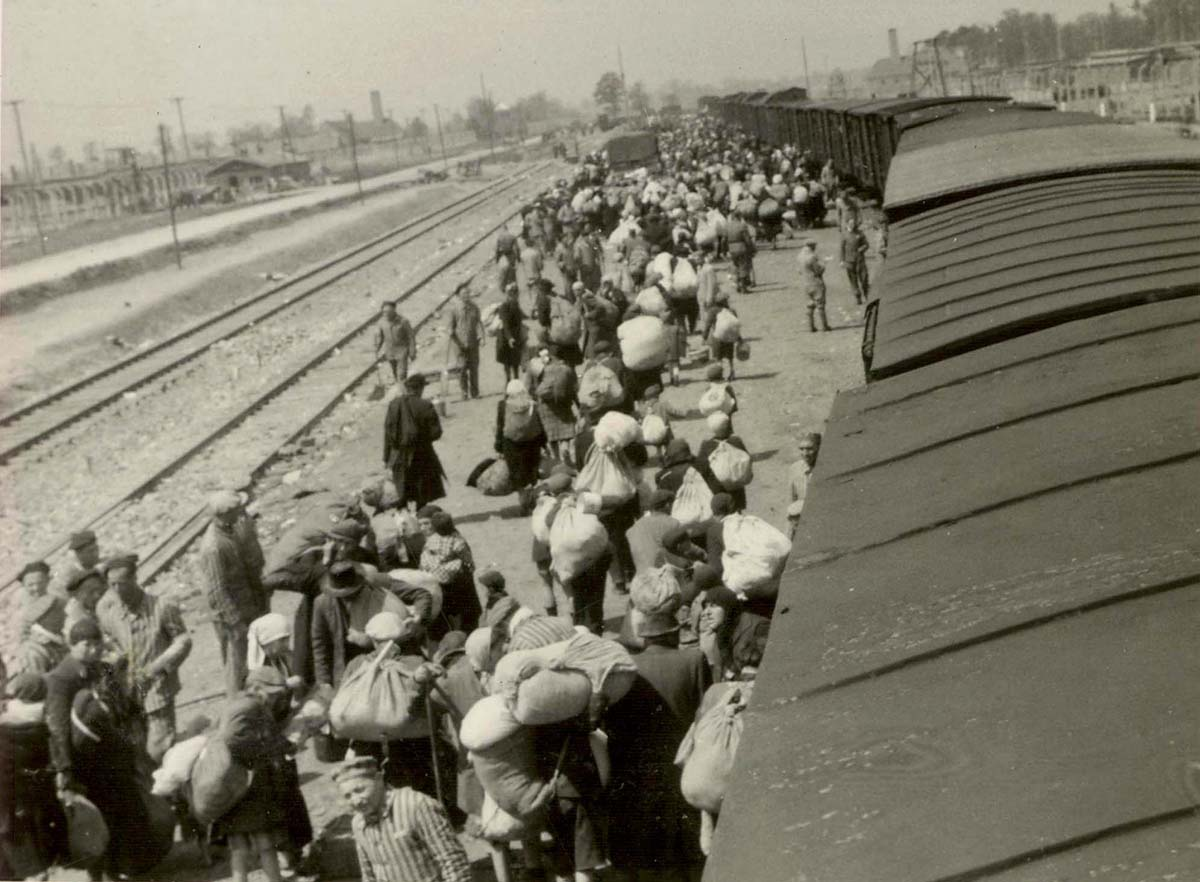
(587, 259)
(232, 574)
(394, 340)
(149, 632)
(854, 259)
(812, 273)
(465, 333)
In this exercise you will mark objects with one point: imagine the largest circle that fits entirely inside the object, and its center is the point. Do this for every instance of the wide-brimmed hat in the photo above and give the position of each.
(344, 579)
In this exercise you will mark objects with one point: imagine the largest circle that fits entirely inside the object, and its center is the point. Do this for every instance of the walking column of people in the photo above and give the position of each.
(442, 702)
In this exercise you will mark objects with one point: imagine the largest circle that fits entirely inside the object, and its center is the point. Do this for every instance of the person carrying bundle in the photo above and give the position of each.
(720, 440)
(400, 835)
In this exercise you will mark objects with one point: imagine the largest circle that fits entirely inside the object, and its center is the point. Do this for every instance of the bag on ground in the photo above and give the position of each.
(716, 398)
(684, 282)
(645, 343)
(508, 771)
(566, 322)
(487, 722)
(379, 701)
(650, 301)
(708, 752)
(616, 431)
(218, 781)
(731, 465)
(496, 479)
(693, 500)
(599, 387)
(654, 429)
(754, 557)
(607, 475)
(578, 540)
(727, 327)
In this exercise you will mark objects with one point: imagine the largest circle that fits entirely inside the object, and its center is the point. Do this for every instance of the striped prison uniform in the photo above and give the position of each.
(411, 841)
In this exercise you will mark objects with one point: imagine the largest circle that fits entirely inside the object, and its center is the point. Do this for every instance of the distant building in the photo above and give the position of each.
(244, 176)
(892, 77)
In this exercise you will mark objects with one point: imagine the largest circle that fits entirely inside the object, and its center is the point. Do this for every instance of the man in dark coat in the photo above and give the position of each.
(644, 730)
(411, 427)
(77, 671)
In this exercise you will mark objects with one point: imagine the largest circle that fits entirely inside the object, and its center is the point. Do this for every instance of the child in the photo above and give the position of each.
(400, 835)
(651, 404)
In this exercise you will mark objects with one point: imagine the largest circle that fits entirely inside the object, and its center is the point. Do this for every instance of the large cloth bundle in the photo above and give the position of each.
(656, 591)
(769, 210)
(709, 749)
(426, 581)
(661, 264)
(607, 664)
(497, 825)
(716, 398)
(707, 233)
(218, 781)
(496, 479)
(488, 722)
(754, 557)
(693, 499)
(380, 701)
(650, 301)
(521, 423)
(175, 770)
(599, 387)
(508, 771)
(566, 322)
(577, 540)
(616, 431)
(539, 520)
(645, 343)
(609, 476)
(490, 319)
(731, 466)
(654, 429)
(537, 693)
(684, 281)
(727, 327)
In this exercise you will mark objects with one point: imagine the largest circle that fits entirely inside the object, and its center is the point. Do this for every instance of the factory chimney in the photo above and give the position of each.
(893, 44)
(376, 106)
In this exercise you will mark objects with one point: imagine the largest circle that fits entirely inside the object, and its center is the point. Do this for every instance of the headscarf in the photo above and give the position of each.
(517, 397)
(263, 630)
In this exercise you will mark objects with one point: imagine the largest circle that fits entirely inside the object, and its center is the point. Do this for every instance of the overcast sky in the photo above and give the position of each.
(105, 71)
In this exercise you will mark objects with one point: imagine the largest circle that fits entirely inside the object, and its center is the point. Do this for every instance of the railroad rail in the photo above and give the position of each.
(165, 549)
(36, 421)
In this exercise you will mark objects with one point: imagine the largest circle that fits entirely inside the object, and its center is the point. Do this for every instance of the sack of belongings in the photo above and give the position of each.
(716, 398)
(599, 387)
(380, 701)
(654, 429)
(426, 581)
(490, 319)
(754, 557)
(497, 825)
(693, 500)
(615, 431)
(727, 327)
(577, 540)
(650, 301)
(609, 476)
(769, 210)
(495, 480)
(175, 770)
(645, 343)
(684, 282)
(507, 769)
(539, 520)
(566, 322)
(487, 722)
(708, 751)
(537, 693)
(218, 781)
(731, 466)
(663, 264)
(656, 591)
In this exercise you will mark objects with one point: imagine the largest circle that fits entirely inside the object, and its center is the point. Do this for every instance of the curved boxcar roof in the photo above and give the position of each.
(919, 178)
(930, 128)
(891, 107)
(784, 96)
(968, 274)
(982, 663)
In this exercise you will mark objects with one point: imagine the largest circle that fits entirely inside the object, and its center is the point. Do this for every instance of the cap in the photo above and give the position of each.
(118, 560)
(428, 511)
(84, 629)
(82, 539)
(491, 578)
(357, 767)
(266, 680)
(78, 577)
(443, 524)
(35, 566)
(655, 624)
(414, 381)
(661, 498)
(223, 502)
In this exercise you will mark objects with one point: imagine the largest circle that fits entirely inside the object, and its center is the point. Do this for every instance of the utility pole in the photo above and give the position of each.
(354, 154)
(285, 133)
(162, 141)
(37, 214)
(391, 117)
(487, 108)
(187, 150)
(804, 55)
(624, 90)
(437, 116)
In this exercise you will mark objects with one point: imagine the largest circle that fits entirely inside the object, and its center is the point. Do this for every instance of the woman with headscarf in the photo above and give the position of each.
(519, 434)
(33, 828)
(409, 431)
(448, 556)
(510, 339)
(268, 644)
(677, 459)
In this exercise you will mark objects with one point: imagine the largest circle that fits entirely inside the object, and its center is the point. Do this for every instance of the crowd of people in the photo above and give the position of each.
(389, 592)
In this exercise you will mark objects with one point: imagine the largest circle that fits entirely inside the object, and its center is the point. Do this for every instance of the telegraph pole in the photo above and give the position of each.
(162, 140)
(804, 53)
(285, 133)
(37, 214)
(354, 153)
(395, 138)
(437, 116)
(187, 150)
(624, 90)
(487, 108)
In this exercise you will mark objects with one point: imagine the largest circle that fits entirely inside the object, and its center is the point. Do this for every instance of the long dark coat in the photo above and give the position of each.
(33, 828)
(409, 431)
(645, 728)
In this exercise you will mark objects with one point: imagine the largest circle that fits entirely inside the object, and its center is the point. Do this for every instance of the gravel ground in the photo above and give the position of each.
(76, 475)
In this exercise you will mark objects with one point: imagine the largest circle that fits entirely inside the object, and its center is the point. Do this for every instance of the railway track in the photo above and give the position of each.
(37, 421)
(289, 406)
